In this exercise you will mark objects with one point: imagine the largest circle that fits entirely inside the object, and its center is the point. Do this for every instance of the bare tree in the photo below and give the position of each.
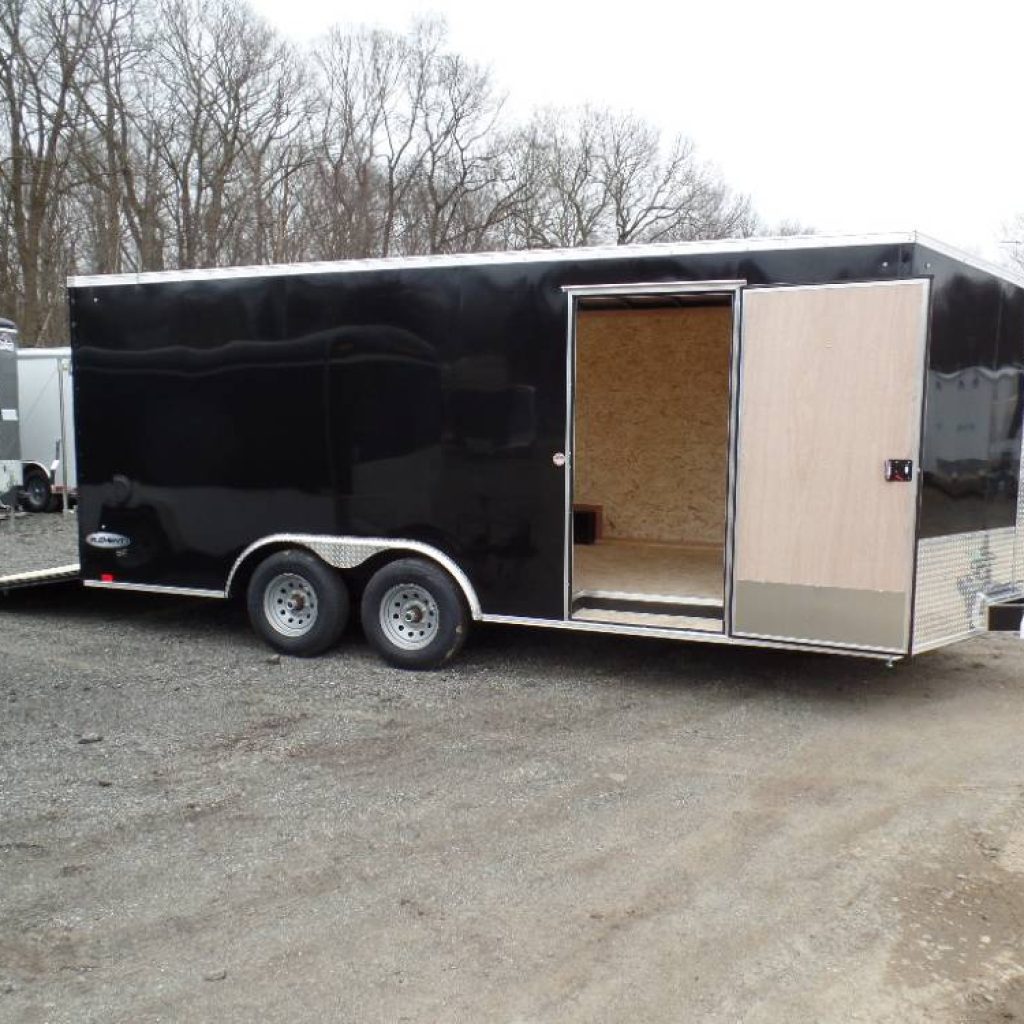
(593, 175)
(1015, 242)
(408, 155)
(356, 75)
(564, 202)
(463, 187)
(42, 50)
(655, 195)
(143, 134)
(119, 194)
(228, 84)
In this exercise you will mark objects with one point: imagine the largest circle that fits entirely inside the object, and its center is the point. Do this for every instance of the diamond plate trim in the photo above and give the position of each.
(954, 576)
(349, 552)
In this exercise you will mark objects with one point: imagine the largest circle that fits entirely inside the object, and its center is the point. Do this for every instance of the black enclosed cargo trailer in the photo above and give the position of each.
(809, 443)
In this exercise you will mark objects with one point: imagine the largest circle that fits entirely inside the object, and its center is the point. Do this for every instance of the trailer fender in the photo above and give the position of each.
(350, 552)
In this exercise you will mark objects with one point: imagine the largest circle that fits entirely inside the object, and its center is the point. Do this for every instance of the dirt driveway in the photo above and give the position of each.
(558, 828)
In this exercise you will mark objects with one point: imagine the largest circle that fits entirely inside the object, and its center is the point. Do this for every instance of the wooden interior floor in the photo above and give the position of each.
(667, 572)
(635, 567)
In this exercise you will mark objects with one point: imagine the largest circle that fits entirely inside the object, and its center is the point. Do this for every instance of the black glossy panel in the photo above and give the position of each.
(971, 445)
(1007, 408)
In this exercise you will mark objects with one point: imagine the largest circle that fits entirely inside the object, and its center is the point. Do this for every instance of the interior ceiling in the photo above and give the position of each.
(682, 300)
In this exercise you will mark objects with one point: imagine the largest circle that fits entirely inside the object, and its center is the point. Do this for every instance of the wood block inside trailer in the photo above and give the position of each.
(587, 527)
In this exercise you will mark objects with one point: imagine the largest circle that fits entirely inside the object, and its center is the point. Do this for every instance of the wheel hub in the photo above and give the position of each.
(409, 616)
(290, 604)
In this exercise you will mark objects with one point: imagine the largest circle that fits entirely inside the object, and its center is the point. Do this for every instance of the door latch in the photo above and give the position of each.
(899, 471)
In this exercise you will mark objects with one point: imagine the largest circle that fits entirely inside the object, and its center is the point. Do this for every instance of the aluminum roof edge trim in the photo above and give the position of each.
(711, 247)
(31, 352)
(995, 269)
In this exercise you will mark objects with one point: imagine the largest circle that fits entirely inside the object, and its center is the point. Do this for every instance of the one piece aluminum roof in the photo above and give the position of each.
(604, 252)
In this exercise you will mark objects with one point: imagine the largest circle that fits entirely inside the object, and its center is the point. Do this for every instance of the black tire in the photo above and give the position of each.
(297, 603)
(426, 615)
(36, 493)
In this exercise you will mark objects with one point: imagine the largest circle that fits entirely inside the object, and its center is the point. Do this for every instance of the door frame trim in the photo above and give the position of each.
(733, 288)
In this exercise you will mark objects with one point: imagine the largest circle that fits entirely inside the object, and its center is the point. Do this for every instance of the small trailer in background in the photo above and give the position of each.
(811, 443)
(10, 441)
(47, 429)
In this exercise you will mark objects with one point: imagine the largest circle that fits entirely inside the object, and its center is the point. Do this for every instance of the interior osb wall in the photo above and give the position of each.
(652, 412)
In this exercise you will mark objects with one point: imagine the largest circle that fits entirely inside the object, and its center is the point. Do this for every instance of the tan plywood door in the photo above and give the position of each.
(830, 388)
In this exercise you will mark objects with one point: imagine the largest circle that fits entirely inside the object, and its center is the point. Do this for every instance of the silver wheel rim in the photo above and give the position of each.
(409, 617)
(290, 604)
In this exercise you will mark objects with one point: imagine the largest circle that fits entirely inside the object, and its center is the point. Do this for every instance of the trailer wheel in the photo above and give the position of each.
(297, 604)
(414, 614)
(36, 493)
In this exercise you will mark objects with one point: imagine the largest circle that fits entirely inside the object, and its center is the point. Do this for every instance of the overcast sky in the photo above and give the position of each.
(850, 117)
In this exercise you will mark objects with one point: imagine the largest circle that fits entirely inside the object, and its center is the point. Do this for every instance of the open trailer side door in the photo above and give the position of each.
(831, 386)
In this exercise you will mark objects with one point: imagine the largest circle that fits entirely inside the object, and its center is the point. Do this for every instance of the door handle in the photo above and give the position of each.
(559, 459)
(899, 470)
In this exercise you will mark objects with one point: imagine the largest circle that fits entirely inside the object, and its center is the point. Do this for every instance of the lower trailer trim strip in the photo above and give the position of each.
(705, 636)
(153, 588)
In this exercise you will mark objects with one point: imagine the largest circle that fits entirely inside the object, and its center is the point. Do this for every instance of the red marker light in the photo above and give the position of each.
(107, 577)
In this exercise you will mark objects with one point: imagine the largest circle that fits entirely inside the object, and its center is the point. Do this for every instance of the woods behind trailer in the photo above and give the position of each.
(717, 442)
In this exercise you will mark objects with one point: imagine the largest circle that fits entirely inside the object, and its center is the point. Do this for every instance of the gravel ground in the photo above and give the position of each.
(558, 828)
(40, 541)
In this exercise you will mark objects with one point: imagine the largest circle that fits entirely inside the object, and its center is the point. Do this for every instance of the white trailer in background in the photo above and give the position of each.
(47, 429)
(10, 451)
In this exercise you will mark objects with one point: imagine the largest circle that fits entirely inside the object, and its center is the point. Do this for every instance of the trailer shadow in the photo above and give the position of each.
(69, 606)
(657, 665)
(528, 657)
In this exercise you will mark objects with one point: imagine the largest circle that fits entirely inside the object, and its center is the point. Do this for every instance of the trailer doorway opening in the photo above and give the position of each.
(651, 403)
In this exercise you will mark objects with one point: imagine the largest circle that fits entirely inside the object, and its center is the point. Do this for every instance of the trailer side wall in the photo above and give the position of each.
(409, 401)
(972, 504)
